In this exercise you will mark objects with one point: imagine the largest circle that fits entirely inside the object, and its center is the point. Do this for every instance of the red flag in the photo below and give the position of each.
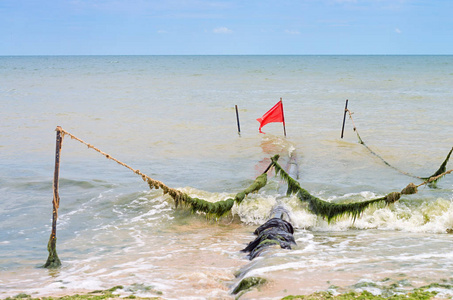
(275, 114)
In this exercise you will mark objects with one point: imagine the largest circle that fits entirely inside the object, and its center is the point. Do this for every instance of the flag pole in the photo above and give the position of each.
(237, 118)
(344, 117)
(283, 118)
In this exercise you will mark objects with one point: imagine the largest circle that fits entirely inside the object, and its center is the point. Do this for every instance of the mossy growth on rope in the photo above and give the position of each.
(216, 209)
(442, 169)
(212, 209)
(332, 211)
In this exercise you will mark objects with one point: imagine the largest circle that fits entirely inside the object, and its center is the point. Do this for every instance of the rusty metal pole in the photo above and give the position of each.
(53, 261)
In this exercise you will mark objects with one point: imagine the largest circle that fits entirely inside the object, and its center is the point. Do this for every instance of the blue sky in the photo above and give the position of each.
(92, 27)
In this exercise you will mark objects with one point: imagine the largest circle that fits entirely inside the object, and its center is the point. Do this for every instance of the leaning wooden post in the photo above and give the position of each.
(53, 261)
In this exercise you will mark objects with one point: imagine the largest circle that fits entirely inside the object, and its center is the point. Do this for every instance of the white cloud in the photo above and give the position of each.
(222, 30)
(397, 30)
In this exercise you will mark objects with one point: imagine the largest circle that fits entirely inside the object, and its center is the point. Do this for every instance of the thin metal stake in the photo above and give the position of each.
(237, 118)
(344, 117)
(283, 117)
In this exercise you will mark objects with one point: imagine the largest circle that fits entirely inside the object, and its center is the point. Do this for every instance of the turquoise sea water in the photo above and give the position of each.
(173, 118)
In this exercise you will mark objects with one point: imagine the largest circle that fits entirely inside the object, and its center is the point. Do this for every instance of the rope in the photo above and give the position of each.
(434, 178)
(223, 206)
(431, 179)
(151, 182)
(411, 188)
(212, 209)
(395, 196)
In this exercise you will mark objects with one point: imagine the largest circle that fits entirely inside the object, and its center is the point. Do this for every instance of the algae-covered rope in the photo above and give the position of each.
(212, 209)
(435, 178)
(330, 210)
(216, 209)
(441, 169)
(220, 208)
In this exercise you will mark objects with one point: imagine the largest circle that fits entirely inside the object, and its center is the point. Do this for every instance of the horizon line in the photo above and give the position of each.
(17, 55)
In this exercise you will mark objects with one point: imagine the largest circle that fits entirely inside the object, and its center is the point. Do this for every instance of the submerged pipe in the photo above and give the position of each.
(277, 230)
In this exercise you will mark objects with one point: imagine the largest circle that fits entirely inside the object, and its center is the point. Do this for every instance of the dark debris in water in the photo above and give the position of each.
(275, 231)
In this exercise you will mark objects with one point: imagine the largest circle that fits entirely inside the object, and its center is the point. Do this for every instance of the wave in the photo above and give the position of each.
(431, 215)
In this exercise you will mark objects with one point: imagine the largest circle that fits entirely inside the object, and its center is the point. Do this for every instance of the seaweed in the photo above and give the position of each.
(441, 171)
(52, 260)
(248, 283)
(332, 211)
(216, 209)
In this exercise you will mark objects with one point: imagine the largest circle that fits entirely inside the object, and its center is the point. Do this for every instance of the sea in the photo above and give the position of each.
(174, 119)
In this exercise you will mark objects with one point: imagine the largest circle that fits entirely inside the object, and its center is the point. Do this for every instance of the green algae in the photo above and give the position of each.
(140, 288)
(438, 285)
(442, 169)
(246, 284)
(415, 295)
(395, 291)
(218, 209)
(249, 283)
(94, 295)
(332, 211)
(53, 261)
(269, 242)
(221, 208)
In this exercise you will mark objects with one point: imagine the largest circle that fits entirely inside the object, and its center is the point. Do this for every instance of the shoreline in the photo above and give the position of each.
(427, 293)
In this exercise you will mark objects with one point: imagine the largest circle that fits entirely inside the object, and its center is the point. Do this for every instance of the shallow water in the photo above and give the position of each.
(173, 118)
